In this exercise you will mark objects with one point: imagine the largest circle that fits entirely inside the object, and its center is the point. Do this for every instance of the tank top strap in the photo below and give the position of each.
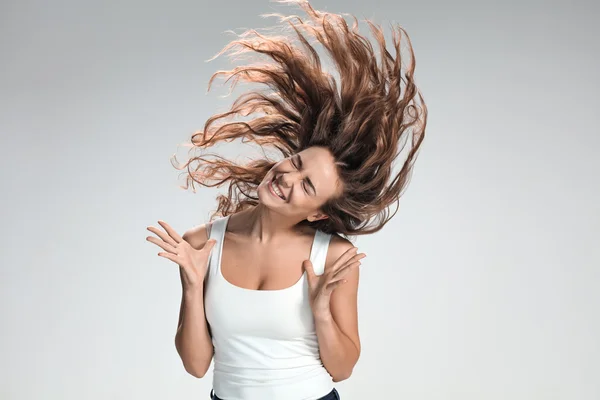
(217, 232)
(318, 251)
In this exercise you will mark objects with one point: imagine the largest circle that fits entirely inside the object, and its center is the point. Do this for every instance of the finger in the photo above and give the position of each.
(173, 257)
(208, 246)
(170, 231)
(355, 258)
(161, 244)
(334, 285)
(345, 269)
(342, 259)
(162, 235)
(308, 267)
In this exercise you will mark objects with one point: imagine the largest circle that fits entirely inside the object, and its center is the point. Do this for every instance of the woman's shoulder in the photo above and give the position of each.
(338, 245)
(336, 242)
(198, 235)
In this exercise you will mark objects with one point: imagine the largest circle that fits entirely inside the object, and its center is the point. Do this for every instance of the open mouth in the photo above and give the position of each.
(274, 188)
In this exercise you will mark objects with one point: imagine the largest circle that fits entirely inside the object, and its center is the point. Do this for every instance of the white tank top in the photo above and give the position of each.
(265, 340)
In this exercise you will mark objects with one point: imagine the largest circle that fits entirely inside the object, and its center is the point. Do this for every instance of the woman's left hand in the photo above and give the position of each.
(320, 287)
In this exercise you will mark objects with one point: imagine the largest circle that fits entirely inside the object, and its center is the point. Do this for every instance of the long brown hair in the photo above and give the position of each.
(365, 123)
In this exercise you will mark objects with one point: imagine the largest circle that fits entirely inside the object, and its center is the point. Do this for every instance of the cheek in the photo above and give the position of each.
(304, 201)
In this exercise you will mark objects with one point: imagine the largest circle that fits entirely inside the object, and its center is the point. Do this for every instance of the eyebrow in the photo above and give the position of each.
(307, 178)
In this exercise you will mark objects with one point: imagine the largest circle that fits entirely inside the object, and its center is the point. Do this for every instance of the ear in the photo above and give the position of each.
(316, 217)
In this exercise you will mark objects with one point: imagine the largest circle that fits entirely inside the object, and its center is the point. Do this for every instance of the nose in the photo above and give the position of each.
(289, 178)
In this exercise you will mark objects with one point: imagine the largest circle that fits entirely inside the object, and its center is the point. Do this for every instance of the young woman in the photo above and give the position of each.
(270, 286)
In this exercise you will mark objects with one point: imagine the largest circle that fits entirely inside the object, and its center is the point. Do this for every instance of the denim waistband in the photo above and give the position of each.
(333, 395)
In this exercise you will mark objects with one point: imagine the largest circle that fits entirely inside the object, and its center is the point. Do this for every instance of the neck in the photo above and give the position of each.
(264, 225)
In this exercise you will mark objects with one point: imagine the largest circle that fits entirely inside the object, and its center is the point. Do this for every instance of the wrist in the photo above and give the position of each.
(323, 316)
(193, 292)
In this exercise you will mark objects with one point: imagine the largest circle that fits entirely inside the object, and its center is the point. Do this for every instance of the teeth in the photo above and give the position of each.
(276, 189)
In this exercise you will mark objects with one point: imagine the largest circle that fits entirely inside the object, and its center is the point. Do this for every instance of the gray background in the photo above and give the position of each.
(484, 285)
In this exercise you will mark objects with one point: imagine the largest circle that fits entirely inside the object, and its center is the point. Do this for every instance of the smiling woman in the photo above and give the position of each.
(295, 180)
(270, 282)
(364, 121)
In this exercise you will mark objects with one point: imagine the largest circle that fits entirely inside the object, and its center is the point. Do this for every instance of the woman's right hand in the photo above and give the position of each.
(194, 263)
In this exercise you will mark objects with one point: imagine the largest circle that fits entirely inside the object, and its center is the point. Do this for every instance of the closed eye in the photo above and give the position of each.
(297, 168)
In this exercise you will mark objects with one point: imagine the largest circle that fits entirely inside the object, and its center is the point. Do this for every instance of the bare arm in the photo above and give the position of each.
(337, 331)
(193, 339)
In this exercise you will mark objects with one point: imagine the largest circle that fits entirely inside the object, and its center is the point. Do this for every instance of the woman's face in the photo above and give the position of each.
(299, 185)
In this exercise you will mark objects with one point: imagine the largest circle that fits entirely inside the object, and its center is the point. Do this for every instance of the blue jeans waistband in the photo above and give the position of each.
(333, 395)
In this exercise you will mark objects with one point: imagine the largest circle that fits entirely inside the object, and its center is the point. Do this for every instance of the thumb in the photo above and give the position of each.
(209, 245)
(308, 267)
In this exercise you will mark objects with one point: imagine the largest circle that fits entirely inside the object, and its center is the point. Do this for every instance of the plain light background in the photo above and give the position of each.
(483, 286)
